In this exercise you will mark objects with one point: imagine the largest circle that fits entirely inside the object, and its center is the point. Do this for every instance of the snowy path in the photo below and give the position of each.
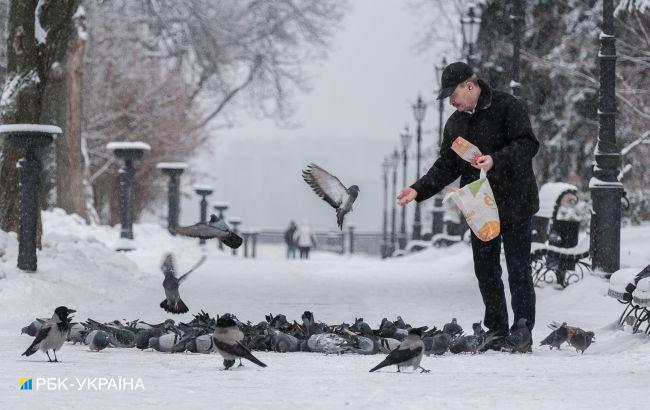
(79, 270)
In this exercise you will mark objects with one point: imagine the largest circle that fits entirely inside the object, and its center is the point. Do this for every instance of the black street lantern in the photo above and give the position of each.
(220, 207)
(606, 189)
(470, 25)
(385, 167)
(419, 109)
(31, 138)
(394, 162)
(173, 170)
(128, 152)
(405, 140)
(203, 191)
(517, 18)
(234, 222)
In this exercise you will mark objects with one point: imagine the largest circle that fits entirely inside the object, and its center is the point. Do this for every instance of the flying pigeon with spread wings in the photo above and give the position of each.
(328, 187)
(214, 228)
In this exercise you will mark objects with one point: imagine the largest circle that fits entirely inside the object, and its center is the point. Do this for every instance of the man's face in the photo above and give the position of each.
(464, 97)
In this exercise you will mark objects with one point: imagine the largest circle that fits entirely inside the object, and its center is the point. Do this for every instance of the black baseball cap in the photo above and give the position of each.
(452, 75)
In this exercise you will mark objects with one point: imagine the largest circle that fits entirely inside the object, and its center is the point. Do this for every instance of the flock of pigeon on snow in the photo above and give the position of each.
(403, 344)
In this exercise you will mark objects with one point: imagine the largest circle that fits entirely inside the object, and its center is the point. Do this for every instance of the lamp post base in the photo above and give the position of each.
(606, 226)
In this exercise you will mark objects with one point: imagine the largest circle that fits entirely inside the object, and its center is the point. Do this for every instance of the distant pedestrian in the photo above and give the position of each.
(305, 239)
(290, 240)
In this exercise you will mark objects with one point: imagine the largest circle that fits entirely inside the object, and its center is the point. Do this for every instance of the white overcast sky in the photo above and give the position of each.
(359, 103)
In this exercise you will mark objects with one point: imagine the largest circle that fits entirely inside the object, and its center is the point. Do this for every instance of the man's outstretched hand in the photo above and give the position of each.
(406, 195)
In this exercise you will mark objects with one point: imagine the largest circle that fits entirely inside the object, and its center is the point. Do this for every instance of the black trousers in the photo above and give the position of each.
(516, 239)
(304, 252)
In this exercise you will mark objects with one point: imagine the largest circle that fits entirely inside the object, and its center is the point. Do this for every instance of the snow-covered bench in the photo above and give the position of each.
(557, 253)
(632, 288)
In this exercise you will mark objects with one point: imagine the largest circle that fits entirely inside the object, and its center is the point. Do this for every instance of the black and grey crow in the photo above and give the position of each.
(52, 334)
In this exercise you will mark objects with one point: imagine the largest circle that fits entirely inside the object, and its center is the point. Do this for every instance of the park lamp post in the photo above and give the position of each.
(127, 151)
(385, 167)
(173, 170)
(203, 191)
(438, 210)
(419, 109)
(405, 140)
(470, 25)
(31, 138)
(394, 162)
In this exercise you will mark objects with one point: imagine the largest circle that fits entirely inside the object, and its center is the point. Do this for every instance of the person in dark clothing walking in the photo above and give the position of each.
(498, 124)
(290, 241)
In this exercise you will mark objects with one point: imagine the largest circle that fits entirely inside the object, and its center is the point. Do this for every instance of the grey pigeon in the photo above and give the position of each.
(328, 343)
(77, 333)
(581, 340)
(310, 325)
(520, 340)
(98, 340)
(173, 302)
(120, 335)
(328, 187)
(437, 344)
(164, 343)
(52, 334)
(33, 328)
(214, 228)
(408, 353)
(227, 340)
(556, 338)
(282, 342)
(453, 329)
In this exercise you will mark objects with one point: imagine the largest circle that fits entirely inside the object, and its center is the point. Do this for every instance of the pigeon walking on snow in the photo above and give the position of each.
(408, 353)
(557, 337)
(330, 188)
(581, 340)
(215, 228)
(520, 340)
(52, 334)
(173, 302)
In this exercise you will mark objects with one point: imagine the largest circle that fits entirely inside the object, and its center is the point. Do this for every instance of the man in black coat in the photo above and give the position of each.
(498, 124)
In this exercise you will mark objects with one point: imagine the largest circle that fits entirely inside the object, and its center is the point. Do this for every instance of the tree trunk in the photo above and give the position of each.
(21, 102)
(32, 91)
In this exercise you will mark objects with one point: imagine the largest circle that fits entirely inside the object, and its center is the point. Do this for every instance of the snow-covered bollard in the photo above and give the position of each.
(29, 137)
(173, 170)
(234, 222)
(250, 241)
(203, 191)
(128, 151)
(351, 228)
(220, 207)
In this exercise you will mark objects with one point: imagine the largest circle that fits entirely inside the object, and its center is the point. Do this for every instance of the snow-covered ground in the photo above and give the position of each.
(78, 268)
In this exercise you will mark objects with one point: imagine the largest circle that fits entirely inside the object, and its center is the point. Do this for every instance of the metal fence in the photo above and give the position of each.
(347, 241)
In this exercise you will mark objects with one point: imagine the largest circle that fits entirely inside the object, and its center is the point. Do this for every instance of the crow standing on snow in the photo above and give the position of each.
(328, 187)
(52, 334)
(214, 228)
(227, 339)
(408, 353)
(173, 302)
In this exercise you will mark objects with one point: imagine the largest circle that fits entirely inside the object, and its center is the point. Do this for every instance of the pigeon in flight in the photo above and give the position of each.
(328, 187)
(173, 302)
(215, 228)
